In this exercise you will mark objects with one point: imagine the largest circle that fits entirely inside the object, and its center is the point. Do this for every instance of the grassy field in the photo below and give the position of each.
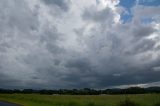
(70, 100)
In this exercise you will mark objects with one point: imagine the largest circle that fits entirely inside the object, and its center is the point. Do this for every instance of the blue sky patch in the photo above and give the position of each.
(128, 4)
(149, 2)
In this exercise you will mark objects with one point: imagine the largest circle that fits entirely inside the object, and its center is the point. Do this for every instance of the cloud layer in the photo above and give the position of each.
(77, 44)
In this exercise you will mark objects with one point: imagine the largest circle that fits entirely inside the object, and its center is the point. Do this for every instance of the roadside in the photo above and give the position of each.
(3, 103)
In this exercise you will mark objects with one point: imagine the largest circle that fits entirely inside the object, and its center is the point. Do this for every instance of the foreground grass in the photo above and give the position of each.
(88, 100)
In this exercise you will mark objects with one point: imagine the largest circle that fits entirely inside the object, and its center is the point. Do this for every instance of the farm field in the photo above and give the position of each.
(81, 100)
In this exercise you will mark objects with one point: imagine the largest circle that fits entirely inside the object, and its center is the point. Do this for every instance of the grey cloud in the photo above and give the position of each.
(8, 82)
(81, 64)
(24, 50)
(49, 37)
(145, 11)
(157, 48)
(133, 76)
(141, 12)
(63, 4)
(98, 16)
(143, 31)
(116, 59)
(40, 50)
(142, 46)
(15, 19)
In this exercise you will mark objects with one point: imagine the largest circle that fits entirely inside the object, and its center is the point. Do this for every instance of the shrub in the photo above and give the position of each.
(73, 104)
(90, 104)
(157, 104)
(127, 102)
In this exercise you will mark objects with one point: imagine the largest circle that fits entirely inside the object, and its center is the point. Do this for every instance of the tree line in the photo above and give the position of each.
(85, 91)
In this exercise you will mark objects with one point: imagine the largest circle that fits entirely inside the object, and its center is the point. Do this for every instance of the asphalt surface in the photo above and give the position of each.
(7, 104)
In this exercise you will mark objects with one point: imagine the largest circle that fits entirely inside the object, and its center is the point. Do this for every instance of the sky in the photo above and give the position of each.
(53, 44)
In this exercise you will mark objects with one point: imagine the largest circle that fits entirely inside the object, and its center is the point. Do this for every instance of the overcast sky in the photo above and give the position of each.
(52, 44)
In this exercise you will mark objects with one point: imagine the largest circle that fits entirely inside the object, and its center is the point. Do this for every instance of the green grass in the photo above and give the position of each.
(88, 100)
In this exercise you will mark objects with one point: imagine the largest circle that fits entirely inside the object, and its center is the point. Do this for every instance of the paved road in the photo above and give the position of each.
(7, 104)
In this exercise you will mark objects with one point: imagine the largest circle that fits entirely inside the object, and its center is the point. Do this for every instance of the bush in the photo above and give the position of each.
(90, 104)
(157, 104)
(127, 102)
(73, 104)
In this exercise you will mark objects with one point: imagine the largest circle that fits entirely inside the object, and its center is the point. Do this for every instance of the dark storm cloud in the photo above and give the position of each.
(133, 78)
(87, 46)
(7, 82)
(81, 64)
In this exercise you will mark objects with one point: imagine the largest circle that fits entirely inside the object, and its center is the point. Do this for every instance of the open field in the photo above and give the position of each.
(80, 100)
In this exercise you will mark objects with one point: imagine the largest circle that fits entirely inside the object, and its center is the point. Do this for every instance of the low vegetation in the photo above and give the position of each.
(157, 104)
(83, 100)
(128, 102)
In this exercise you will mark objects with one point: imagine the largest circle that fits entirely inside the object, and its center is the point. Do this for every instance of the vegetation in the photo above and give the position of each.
(85, 91)
(83, 100)
(128, 102)
(133, 96)
(157, 104)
